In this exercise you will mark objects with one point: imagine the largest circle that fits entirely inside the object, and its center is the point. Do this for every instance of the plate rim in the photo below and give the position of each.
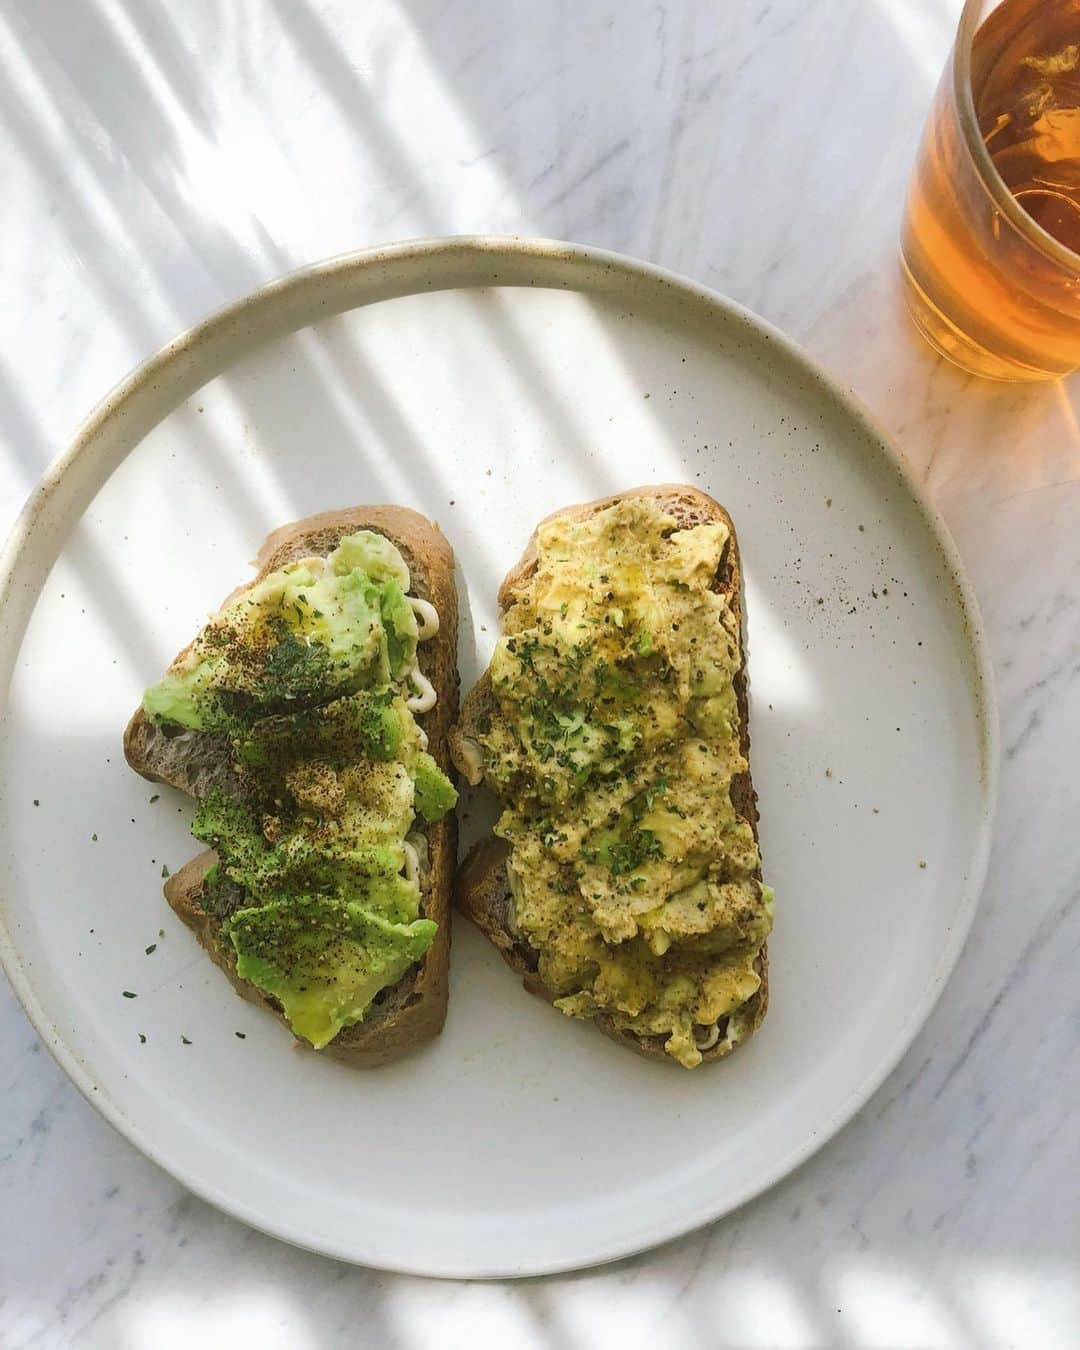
(552, 253)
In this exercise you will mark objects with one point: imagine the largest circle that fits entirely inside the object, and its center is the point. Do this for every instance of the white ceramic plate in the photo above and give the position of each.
(486, 382)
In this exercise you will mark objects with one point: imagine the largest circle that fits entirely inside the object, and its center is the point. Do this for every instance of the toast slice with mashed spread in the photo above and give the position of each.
(309, 719)
(623, 881)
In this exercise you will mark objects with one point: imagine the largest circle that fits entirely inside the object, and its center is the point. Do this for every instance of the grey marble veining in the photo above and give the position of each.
(160, 160)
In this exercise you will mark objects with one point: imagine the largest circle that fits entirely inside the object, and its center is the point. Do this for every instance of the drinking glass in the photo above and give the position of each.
(991, 238)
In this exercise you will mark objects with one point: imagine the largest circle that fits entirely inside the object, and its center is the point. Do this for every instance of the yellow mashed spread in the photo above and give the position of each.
(613, 743)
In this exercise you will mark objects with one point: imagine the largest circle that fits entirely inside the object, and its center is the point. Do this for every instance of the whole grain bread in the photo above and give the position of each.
(482, 886)
(413, 1010)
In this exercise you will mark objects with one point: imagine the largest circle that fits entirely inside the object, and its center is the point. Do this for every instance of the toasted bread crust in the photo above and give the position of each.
(482, 886)
(413, 1010)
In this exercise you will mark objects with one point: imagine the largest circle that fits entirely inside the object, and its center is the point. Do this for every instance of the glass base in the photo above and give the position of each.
(945, 337)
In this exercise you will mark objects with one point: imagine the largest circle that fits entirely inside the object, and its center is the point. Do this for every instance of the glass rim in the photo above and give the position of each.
(969, 126)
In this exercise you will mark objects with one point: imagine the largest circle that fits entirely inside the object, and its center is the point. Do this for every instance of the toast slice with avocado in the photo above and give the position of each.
(309, 719)
(623, 881)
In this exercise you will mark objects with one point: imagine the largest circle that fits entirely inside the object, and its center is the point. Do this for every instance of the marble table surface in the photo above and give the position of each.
(163, 159)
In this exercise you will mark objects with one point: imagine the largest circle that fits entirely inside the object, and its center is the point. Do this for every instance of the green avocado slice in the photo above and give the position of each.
(324, 958)
(435, 794)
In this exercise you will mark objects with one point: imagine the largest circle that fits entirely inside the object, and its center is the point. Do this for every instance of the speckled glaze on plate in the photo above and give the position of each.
(486, 382)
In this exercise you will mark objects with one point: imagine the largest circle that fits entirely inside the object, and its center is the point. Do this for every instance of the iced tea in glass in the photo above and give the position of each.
(991, 240)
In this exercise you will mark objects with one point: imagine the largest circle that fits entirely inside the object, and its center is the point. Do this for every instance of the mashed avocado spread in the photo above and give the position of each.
(614, 740)
(310, 678)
